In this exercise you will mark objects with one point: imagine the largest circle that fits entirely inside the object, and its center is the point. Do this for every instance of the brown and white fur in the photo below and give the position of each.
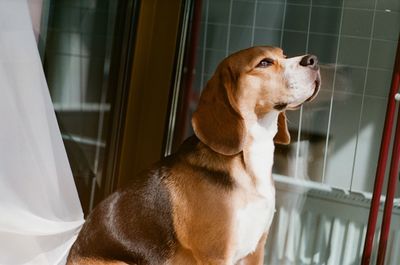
(213, 201)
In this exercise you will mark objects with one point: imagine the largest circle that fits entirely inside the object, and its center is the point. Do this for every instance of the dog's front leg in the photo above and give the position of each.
(257, 257)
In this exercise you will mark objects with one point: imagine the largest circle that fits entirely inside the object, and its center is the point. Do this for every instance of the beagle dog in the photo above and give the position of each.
(213, 201)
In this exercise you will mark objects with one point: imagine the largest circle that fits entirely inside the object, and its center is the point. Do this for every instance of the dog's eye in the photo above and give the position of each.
(265, 63)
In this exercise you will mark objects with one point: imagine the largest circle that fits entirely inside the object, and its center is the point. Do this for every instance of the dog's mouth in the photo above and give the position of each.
(317, 84)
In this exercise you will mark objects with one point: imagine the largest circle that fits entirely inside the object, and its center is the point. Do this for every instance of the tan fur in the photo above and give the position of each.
(202, 227)
(282, 136)
(223, 130)
(237, 95)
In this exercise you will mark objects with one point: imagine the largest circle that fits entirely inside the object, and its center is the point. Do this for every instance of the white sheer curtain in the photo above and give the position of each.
(40, 213)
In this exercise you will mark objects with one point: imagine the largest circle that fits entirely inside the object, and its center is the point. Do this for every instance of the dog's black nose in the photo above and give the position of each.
(310, 61)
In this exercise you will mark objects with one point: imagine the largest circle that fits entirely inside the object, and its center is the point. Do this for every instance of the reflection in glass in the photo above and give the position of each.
(324, 178)
(77, 41)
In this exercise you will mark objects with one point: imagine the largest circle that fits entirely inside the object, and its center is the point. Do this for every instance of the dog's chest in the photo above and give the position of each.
(255, 216)
(253, 220)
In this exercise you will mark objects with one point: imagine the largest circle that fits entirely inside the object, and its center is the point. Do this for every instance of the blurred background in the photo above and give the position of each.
(125, 77)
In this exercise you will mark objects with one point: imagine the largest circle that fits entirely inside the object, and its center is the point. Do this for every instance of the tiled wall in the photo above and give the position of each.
(337, 137)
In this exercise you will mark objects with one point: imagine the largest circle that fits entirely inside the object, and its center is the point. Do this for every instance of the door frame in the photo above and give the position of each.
(141, 122)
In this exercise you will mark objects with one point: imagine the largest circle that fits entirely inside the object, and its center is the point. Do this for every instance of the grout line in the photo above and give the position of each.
(302, 31)
(80, 32)
(296, 167)
(103, 100)
(203, 59)
(302, 108)
(309, 26)
(283, 23)
(66, 5)
(72, 54)
(240, 25)
(326, 63)
(254, 22)
(85, 107)
(324, 6)
(92, 193)
(363, 97)
(229, 28)
(332, 95)
(83, 140)
(359, 95)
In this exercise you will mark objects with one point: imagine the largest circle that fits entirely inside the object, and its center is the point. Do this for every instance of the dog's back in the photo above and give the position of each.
(136, 225)
(133, 225)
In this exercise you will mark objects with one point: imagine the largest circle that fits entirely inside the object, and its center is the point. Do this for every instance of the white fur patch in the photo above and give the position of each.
(255, 218)
(260, 156)
(252, 222)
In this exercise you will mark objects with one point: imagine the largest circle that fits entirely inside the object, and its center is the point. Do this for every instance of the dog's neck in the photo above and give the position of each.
(259, 152)
(265, 128)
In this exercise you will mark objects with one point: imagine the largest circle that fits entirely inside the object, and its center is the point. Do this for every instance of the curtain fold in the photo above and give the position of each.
(40, 212)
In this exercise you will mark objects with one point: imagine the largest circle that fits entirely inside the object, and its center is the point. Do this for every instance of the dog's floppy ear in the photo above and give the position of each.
(217, 121)
(282, 136)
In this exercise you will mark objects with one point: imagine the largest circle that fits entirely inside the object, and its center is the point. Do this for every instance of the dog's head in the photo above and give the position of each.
(245, 87)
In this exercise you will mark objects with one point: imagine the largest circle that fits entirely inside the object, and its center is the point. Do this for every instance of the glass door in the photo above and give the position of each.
(325, 177)
(85, 48)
